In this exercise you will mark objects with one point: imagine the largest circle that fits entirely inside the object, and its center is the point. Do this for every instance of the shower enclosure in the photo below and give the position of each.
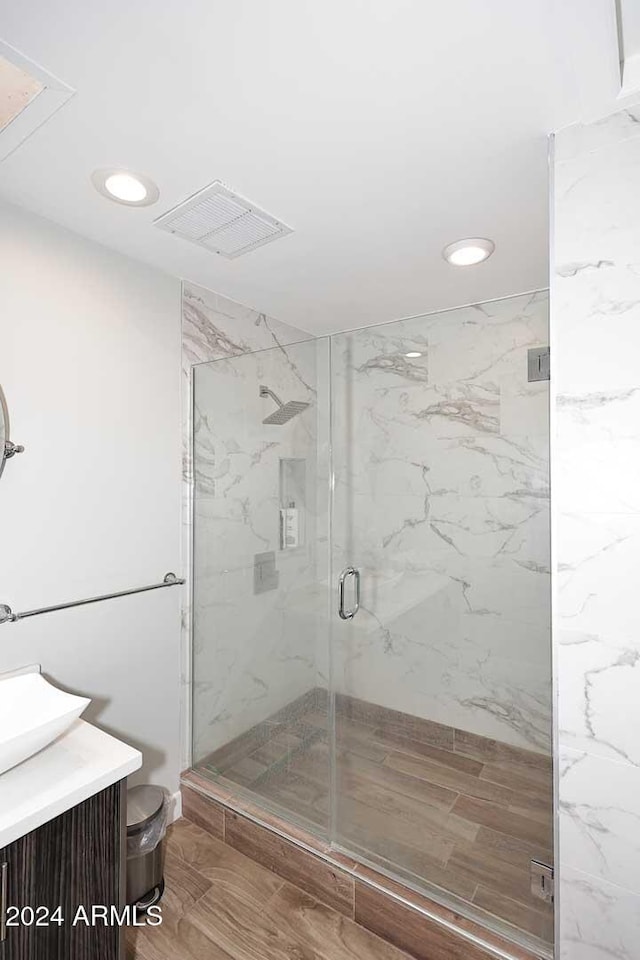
(371, 640)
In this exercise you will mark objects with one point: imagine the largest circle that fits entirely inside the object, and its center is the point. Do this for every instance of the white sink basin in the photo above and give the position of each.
(32, 714)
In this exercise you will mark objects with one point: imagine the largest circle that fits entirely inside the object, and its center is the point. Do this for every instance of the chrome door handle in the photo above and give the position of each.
(348, 572)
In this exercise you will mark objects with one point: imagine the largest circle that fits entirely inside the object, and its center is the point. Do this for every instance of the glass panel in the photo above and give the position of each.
(442, 678)
(260, 648)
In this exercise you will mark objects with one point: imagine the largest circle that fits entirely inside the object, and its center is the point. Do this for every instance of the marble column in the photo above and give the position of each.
(595, 323)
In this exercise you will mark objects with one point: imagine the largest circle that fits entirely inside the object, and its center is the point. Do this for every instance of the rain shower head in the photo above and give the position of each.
(285, 411)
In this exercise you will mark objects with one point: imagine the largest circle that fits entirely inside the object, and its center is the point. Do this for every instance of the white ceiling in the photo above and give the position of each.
(629, 21)
(379, 130)
(629, 36)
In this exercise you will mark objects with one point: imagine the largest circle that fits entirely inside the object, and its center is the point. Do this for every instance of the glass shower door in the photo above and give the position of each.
(441, 665)
(260, 604)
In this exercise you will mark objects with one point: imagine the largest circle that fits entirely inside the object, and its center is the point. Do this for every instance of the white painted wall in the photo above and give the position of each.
(595, 325)
(90, 364)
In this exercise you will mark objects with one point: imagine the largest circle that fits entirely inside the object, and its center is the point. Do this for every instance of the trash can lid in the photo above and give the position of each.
(143, 803)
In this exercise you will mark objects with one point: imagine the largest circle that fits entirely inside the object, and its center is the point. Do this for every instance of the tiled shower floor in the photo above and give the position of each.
(467, 816)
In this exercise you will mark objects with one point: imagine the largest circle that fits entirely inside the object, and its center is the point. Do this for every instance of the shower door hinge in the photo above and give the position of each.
(542, 881)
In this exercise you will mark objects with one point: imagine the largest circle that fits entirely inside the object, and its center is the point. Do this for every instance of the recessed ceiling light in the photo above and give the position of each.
(132, 189)
(465, 253)
(412, 354)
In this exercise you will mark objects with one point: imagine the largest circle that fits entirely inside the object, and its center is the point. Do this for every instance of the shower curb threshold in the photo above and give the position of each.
(458, 930)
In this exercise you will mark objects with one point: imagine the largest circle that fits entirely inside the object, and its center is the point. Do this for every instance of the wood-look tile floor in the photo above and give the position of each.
(220, 905)
(467, 823)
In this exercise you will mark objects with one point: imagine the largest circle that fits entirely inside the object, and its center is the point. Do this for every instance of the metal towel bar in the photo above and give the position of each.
(8, 616)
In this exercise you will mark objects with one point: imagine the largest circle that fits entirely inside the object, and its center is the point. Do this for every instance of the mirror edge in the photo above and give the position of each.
(7, 448)
(4, 436)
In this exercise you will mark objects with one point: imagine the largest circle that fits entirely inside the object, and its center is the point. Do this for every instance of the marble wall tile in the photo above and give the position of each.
(598, 438)
(594, 673)
(595, 286)
(215, 328)
(253, 653)
(445, 492)
(598, 921)
(596, 459)
(596, 551)
(442, 501)
(582, 138)
(600, 818)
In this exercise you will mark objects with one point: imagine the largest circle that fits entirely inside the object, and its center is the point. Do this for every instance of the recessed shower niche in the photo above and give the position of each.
(293, 498)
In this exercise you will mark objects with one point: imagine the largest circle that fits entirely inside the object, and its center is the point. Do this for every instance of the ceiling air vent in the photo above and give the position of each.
(222, 221)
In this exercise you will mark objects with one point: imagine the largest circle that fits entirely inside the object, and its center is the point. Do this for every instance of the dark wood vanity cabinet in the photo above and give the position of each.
(76, 860)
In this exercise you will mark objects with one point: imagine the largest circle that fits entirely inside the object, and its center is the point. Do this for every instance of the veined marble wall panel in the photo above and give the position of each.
(442, 501)
(213, 328)
(596, 455)
(442, 492)
(253, 653)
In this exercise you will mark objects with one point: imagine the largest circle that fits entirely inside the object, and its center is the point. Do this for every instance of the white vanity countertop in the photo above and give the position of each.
(79, 764)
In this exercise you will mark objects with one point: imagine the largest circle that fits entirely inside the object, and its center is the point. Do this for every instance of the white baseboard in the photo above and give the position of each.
(175, 806)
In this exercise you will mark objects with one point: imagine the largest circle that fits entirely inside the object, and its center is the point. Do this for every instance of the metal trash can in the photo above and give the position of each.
(146, 827)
